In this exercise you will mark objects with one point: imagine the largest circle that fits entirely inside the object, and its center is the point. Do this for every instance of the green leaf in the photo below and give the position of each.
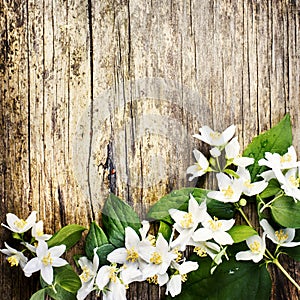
(165, 229)
(95, 238)
(178, 199)
(292, 252)
(240, 233)
(60, 294)
(66, 283)
(271, 190)
(231, 280)
(67, 278)
(286, 212)
(276, 140)
(103, 251)
(116, 216)
(68, 235)
(39, 295)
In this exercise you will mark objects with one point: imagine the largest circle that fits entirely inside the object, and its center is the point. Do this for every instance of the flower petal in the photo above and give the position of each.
(11, 219)
(174, 285)
(41, 249)
(202, 234)
(227, 224)
(162, 279)
(32, 266)
(131, 238)
(228, 133)
(188, 267)
(57, 251)
(244, 255)
(223, 238)
(232, 149)
(47, 274)
(118, 256)
(59, 262)
(102, 278)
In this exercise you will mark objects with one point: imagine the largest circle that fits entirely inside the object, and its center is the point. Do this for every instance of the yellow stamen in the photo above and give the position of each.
(199, 168)
(178, 253)
(187, 220)
(47, 259)
(228, 193)
(156, 258)
(113, 274)
(132, 255)
(294, 181)
(183, 277)
(286, 158)
(153, 279)
(20, 223)
(281, 236)
(151, 239)
(200, 251)
(255, 247)
(86, 274)
(215, 224)
(247, 184)
(215, 135)
(13, 260)
(39, 233)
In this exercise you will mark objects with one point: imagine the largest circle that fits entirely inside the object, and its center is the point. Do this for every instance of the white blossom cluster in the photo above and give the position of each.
(235, 183)
(44, 259)
(157, 260)
(160, 260)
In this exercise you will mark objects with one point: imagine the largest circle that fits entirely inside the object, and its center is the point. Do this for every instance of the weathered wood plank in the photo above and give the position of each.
(88, 87)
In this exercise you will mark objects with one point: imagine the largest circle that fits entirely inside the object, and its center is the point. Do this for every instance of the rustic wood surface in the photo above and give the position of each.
(90, 88)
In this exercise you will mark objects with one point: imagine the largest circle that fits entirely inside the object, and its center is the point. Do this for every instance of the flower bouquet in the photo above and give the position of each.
(195, 249)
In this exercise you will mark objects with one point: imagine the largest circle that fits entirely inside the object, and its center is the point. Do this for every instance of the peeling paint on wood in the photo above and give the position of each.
(100, 96)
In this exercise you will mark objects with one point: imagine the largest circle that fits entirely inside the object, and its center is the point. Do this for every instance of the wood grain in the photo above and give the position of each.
(90, 86)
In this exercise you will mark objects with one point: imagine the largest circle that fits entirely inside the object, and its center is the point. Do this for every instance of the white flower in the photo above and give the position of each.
(249, 188)
(215, 138)
(277, 161)
(290, 182)
(232, 150)
(19, 225)
(108, 281)
(175, 282)
(45, 261)
(282, 237)
(230, 189)
(88, 275)
(129, 254)
(200, 167)
(203, 249)
(37, 231)
(187, 222)
(158, 258)
(14, 257)
(215, 229)
(257, 246)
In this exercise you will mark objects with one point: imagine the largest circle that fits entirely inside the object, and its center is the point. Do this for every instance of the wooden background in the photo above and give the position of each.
(88, 87)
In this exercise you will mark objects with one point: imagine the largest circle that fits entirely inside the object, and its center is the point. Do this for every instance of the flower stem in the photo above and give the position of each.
(277, 263)
(244, 216)
(269, 254)
(269, 203)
